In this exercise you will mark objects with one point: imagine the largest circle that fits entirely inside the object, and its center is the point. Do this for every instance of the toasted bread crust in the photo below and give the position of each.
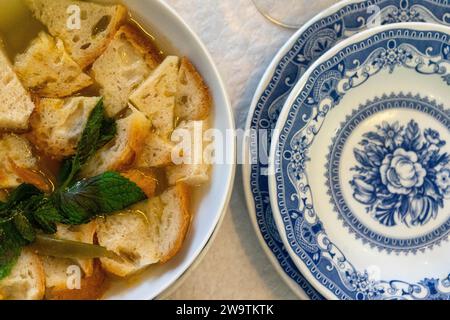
(59, 146)
(15, 152)
(199, 81)
(37, 139)
(202, 93)
(184, 197)
(136, 138)
(112, 69)
(39, 72)
(41, 281)
(119, 18)
(127, 145)
(92, 288)
(40, 284)
(16, 105)
(142, 43)
(157, 152)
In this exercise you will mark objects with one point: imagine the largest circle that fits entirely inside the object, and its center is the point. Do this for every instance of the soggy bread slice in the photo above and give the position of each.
(15, 102)
(15, 152)
(58, 272)
(83, 233)
(175, 221)
(125, 64)
(57, 124)
(155, 97)
(193, 100)
(47, 69)
(194, 169)
(91, 288)
(66, 281)
(26, 281)
(122, 151)
(86, 42)
(150, 232)
(61, 274)
(133, 235)
(157, 152)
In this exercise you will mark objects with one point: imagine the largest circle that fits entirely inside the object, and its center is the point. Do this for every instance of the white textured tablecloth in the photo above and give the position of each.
(242, 43)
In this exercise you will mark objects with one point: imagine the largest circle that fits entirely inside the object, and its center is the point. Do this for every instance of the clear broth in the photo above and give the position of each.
(17, 26)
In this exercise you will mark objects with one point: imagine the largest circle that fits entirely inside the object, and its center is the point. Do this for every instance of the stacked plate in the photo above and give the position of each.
(353, 200)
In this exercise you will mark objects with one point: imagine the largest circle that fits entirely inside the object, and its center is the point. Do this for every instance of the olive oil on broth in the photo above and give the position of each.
(18, 27)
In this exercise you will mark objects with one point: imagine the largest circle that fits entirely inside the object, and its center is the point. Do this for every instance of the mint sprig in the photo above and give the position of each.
(28, 210)
(103, 194)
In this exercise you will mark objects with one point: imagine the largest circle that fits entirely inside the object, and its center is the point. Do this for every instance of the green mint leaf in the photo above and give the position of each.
(24, 192)
(107, 132)
(20, 200)
(99, 131)
(10, 247)
(91, 134)
(46, 216)
(103, 194)
(24, 227)
(66, 170)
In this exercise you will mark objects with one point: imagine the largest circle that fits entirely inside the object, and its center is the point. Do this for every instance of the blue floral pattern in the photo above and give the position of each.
(402, 175)
(305, 48)
(387, 138)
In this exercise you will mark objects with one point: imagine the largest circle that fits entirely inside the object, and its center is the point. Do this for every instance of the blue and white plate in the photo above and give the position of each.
(300, 52)
(361, 163)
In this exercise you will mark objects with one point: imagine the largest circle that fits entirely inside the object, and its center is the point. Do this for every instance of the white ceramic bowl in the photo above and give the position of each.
(211, 202)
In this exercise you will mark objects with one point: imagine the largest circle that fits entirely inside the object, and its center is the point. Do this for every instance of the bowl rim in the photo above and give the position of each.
(194, 259)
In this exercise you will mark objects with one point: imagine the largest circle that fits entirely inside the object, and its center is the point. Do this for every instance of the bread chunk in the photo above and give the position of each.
(83, 233)
(155, 97)
(26, 281)
(16, 105)
(15, 153)
(58, 124)
(194, 170)
(88, 40)
(121, 152)
(150, 232)
(46, 69)
(157, 152)
(126, 63)
(91, 287)
(193, 99)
